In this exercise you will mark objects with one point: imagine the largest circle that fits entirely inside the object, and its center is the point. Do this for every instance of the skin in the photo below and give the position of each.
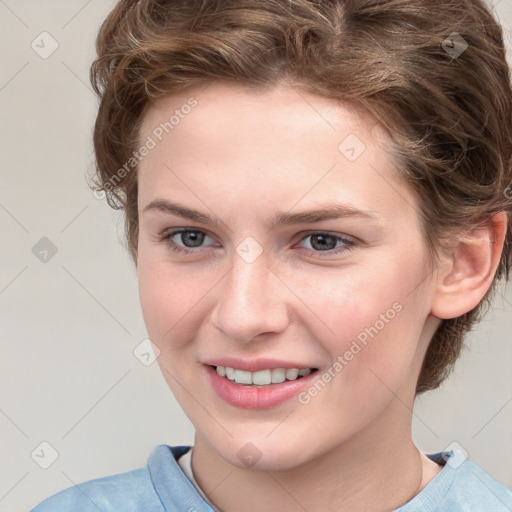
(242, 157)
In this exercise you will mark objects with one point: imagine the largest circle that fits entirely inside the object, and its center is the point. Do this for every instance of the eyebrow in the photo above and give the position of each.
(327, 211)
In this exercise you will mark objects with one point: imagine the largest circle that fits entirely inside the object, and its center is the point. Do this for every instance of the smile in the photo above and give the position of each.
(262, 389)
(262, 377)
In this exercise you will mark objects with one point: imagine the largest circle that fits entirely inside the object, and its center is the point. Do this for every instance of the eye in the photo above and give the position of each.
(191, 238)
(326, 243)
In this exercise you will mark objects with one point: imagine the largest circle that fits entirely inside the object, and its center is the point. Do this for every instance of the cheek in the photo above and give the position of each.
(370, 320)
(346, 304)
(167, 299)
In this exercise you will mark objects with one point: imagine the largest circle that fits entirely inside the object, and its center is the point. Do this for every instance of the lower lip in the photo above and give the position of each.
(251, 397)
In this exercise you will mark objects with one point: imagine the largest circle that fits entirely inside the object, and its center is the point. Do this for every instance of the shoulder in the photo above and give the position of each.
(474, 488)
(461, 486)
(130, 491)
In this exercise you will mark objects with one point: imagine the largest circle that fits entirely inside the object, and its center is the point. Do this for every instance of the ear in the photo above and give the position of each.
(467, 272)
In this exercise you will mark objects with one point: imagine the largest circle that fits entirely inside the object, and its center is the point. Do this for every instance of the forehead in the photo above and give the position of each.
(280, 144)
(233, 106)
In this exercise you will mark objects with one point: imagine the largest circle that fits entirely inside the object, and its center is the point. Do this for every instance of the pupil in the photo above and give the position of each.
(194, 236)
(322, 245)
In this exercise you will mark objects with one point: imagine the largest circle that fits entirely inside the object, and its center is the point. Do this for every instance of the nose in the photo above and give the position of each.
(252, 301)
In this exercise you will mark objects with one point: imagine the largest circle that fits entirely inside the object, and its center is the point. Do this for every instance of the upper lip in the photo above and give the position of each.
(255, 365)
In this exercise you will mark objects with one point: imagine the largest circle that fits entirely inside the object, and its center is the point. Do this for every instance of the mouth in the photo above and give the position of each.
(262, 378)
(262, 389)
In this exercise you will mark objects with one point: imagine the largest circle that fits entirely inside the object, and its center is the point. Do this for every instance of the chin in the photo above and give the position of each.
(262, 454)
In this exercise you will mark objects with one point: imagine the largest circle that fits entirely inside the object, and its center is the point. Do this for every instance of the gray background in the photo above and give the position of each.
(69, 326)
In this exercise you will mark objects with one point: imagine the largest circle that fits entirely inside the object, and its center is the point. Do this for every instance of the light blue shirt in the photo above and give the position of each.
(162, 486)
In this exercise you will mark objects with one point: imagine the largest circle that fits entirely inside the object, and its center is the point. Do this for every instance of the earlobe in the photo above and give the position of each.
(467, 273)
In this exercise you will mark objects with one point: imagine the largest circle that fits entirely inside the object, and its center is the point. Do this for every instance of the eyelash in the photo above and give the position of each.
(167, 239)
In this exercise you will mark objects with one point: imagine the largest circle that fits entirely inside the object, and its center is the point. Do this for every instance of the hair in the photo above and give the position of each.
(449, 114)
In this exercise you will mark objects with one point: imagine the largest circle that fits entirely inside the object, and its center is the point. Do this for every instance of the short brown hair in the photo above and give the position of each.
(448, 113)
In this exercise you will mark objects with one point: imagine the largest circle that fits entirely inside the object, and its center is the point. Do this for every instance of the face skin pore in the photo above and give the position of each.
(243, 158)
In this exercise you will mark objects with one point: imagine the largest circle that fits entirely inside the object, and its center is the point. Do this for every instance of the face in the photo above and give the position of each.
(237, 270)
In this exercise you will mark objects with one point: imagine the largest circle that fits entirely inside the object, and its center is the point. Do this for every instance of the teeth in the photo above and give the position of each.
(292, 373)
(278, 375)
(262, 377)
(243, 377)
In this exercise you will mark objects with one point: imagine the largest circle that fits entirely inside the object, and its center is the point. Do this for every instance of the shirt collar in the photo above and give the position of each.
(175, 490)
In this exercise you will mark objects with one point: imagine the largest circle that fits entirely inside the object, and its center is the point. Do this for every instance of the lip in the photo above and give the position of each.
(255, 365)
(248, 397)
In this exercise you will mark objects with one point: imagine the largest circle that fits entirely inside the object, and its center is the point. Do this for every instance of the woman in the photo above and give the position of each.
(317, 203)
